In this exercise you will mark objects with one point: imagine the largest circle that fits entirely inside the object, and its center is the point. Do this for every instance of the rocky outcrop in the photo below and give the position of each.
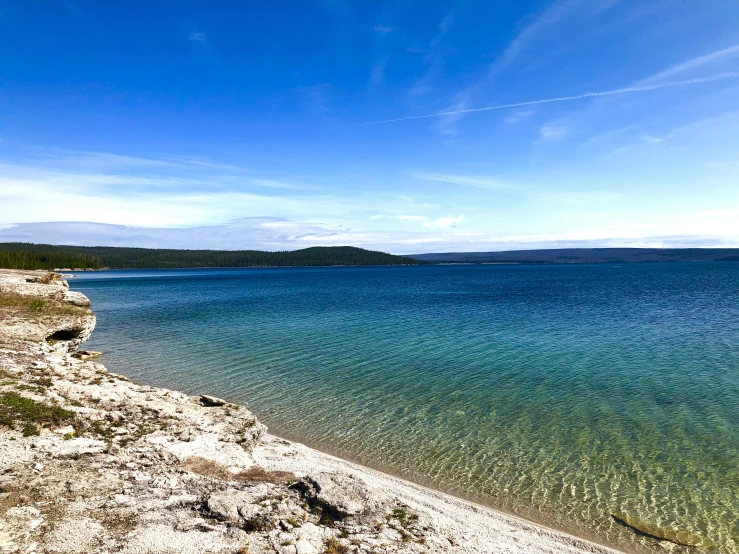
(92, 462)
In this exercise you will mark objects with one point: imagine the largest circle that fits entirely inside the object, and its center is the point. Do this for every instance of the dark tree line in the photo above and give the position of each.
(44, 256)
(23, 259)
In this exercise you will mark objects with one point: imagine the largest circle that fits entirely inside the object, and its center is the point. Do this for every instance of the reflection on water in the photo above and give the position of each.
(562, 393)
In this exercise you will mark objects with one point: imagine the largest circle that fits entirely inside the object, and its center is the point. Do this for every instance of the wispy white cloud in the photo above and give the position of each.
(316, 98)
(583, 96)
(434, 58)
(377, 74)
(520, 115)
(120, 188)
(268, 183)
(446, 23)
(197, 36)
(552, 15)
(718, 56)
(443, 222)
(440, 235)
(552, 133)
(465, 180)
(273, 233)
(383, 29)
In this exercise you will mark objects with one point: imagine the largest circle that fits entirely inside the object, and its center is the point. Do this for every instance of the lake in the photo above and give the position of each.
(562, 393)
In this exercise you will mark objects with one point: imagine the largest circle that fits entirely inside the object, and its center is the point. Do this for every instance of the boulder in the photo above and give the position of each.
(211, 401)
(225, 505)
(76, 299)
(86, 354)
(234, 505)
(340, 494)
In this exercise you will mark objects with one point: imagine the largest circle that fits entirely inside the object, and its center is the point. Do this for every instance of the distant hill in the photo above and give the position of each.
(45, 256)
(587, 255)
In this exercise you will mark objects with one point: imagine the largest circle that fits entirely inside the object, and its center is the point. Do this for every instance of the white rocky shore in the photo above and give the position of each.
(92, 462)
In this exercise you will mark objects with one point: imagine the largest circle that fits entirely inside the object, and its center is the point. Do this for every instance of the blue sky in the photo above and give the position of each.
(281, 125)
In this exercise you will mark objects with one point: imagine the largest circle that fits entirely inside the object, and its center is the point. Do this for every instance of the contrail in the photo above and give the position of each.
(646, 88)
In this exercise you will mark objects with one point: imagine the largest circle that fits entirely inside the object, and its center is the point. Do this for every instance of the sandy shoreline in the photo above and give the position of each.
(484, 524)
(476, 503)
(122, 467)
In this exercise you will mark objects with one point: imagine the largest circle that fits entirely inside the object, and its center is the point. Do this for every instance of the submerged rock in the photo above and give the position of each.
(682, 537)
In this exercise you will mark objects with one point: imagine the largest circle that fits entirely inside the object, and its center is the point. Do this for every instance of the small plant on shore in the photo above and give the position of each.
(30, 430)
(403, 517)
(20, 410)
(334, 546)
(258, 523)
(36, 304)
(400, 514)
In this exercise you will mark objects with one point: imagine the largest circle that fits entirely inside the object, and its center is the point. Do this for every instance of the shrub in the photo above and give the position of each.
(30, 430)
(20, 410)
(334, 546)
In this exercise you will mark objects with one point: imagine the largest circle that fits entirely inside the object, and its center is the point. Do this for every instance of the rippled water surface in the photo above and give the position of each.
(562, 393)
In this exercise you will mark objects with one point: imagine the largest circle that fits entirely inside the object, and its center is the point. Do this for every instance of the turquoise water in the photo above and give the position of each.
(560, 393)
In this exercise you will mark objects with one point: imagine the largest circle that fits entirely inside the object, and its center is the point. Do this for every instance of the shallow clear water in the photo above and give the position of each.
(561, 393)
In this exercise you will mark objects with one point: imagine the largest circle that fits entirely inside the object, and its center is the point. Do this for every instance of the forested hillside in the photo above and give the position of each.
(44, 256)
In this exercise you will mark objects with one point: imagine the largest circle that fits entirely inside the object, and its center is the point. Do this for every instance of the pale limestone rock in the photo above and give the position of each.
(86, 354)
(76, 299)
(68, 430)
(211, 401)
(77, 447)
(342, 494)
(227, 505)
(303, 546)
(210, 447)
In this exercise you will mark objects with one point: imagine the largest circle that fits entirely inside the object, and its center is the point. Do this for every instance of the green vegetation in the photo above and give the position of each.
(29, 256)
(17, 410)
(400, 514)
(48, 257)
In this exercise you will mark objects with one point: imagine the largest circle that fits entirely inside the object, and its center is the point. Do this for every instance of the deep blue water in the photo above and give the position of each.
(562, 393)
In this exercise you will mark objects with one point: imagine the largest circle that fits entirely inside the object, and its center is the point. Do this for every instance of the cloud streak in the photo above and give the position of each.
(583, 96)
(717, 56)
(464, 180)
(547, 18)
(197, 36)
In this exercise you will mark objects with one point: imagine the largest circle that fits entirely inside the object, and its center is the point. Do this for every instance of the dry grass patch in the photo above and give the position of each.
(252, 476)
(334, 546)
(207, 468)
(33, 305)
(256, 474)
